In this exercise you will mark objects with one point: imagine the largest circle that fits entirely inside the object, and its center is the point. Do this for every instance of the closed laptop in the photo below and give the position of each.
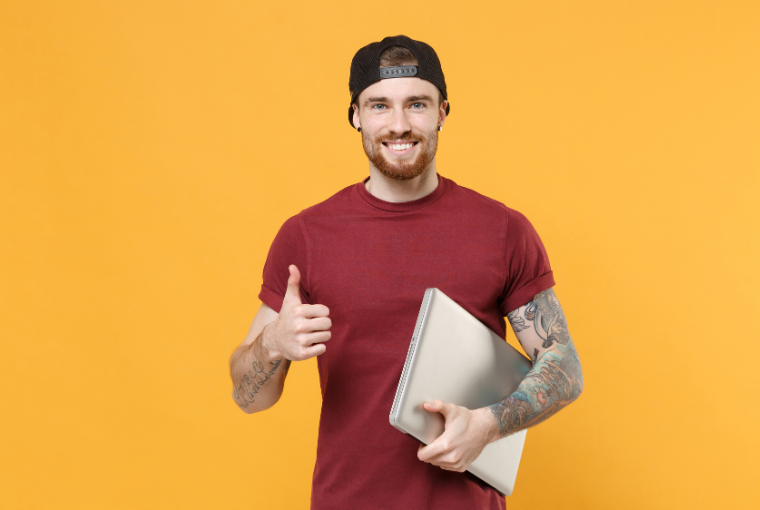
(456, 358)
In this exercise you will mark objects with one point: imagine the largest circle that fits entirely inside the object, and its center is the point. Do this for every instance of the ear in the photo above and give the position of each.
(356, 116)
(442, 113)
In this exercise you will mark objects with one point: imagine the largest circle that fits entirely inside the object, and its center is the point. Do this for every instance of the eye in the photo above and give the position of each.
(378, 106)
(418, 106)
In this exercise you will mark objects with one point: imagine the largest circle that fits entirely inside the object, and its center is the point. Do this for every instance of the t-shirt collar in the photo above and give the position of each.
(401, 206)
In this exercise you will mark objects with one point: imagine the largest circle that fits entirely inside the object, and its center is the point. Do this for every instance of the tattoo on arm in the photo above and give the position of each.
(517, 322)
(253, 381)
(555, 379)
(548, 319)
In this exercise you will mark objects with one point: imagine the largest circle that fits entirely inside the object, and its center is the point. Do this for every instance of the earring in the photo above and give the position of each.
(440, 128)
(359, 129)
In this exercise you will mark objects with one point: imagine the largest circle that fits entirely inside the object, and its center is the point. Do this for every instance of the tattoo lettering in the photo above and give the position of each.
(252, 382)
(517, 322)
(548, 319)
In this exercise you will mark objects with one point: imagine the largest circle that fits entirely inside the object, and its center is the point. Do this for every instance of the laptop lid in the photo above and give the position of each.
(456, 358)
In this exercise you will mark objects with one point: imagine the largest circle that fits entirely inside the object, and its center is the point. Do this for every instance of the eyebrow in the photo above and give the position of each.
(418, 98)
(410, 99)
(375, 100)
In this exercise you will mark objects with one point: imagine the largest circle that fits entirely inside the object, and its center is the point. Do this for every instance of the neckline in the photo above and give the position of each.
(411, 205)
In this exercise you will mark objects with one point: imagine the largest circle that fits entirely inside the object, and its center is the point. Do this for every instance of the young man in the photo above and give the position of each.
(344, 280)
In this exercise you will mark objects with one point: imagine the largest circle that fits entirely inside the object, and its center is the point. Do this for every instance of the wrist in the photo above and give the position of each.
(490, 424)
(264, 349)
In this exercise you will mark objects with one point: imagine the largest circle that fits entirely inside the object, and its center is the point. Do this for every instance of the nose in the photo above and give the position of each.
(399, 122)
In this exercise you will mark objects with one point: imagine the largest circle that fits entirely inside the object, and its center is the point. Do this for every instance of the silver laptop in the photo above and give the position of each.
(456, 358)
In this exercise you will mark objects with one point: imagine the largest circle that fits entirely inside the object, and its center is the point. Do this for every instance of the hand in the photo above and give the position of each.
(466, 434)
(300, 329)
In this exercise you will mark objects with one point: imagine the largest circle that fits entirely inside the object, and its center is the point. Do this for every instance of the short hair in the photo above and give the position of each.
(399, 56)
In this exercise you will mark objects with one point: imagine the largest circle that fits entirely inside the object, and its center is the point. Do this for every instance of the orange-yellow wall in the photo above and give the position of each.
(150, 151)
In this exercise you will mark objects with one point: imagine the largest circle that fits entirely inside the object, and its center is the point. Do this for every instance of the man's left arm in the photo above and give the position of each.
(554, 381)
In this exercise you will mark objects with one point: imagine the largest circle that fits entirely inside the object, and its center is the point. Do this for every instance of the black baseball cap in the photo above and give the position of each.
(366, 70)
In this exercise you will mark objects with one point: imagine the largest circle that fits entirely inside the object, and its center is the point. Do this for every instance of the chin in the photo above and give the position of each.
(403, 170)
(401, 173)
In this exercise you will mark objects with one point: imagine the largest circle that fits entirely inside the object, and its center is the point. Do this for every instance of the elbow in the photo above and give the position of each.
(247, 409)
(572, 393)
(578, 384)
(574, 375)
(253, 405)
(244, 401)
(579, 389)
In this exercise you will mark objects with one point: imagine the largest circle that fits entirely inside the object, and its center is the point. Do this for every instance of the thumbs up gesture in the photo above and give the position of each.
(300, 330)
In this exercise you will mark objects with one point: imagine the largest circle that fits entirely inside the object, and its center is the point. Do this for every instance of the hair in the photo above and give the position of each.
(399, 56)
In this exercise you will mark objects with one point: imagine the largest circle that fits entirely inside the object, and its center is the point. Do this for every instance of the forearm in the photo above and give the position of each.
(258, 378)
(554, 381)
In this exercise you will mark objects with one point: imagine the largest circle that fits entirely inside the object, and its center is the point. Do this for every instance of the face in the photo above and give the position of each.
(399, 118)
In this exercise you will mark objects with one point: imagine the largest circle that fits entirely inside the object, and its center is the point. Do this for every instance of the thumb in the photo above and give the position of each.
(293, 293)
(439, 406)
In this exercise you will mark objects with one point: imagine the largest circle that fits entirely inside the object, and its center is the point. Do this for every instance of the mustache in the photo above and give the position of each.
(403, 137)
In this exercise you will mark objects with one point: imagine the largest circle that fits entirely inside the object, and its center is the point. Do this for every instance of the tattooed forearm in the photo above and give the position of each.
(554, 382)
(254, 379)
(555, 379)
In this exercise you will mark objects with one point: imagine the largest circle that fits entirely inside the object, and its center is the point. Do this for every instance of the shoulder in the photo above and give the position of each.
(336, 204)
(474, 198)
(482, 204)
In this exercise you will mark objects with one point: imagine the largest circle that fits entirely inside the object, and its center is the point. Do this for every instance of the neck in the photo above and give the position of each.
(395, 190)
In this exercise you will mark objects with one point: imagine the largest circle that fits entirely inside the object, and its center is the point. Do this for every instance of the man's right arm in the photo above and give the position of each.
(257, 377)
(259, 366)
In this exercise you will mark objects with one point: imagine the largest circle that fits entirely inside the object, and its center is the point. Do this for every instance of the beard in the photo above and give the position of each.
(404, 169)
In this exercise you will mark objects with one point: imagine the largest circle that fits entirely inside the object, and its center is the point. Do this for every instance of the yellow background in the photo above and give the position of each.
(151, 150)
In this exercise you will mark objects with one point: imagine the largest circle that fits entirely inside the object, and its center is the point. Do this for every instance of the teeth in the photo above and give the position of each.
(400, 146)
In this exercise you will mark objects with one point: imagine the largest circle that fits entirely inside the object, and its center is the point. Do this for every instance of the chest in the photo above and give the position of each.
(381, 266)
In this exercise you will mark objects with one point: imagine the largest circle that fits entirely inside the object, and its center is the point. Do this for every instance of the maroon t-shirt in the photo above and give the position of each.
(370, 261)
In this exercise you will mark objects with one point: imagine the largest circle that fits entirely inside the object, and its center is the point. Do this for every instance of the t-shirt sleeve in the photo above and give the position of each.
(528, 269)
(288, 247)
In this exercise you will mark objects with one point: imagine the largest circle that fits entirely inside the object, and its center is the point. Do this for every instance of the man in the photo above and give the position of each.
(344, 280)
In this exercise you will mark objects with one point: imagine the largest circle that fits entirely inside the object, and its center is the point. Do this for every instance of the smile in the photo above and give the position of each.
(399, 147)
